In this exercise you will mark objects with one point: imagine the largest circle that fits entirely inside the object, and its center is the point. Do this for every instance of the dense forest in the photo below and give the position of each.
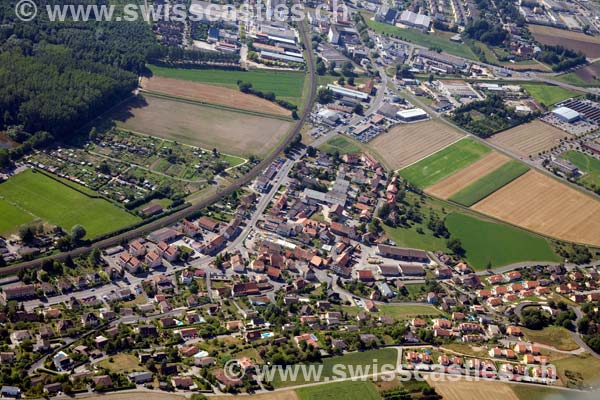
(56, 76)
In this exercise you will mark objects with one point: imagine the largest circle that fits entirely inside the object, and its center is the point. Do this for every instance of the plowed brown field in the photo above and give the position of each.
(529, 139)
(587, 44)
(212, 94)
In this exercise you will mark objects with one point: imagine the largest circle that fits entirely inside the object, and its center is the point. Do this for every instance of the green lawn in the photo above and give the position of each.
(534, 392)
(409, 237)
(576, 370)
(402, 312)
(444, 163)
(496, 243)
(489, 183)
(587, 164)
(12, 217)
(362, 360)
(285, 84)
(548, 94)
(61, 205)
(350, 390)
(341, 144)
(417, 37)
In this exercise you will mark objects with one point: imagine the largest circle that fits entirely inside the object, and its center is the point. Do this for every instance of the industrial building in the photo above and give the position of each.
(344, 92)
(414, 114)
(419, 21)
(566, 114)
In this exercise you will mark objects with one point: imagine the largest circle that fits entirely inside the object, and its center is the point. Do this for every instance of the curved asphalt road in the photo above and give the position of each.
(172, 218)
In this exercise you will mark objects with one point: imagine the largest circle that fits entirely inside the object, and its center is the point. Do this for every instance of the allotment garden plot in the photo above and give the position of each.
(407, 143)
(239, 133)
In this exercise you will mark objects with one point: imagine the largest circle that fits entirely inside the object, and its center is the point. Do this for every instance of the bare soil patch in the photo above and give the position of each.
(589, 73)
(212, 94)
(463, 178)
(542, 204)
(587, 44)
(461, 389)
(529, 139)
(407, 143)
(207, 127)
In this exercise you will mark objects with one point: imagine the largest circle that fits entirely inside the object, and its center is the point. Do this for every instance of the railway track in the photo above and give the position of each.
(199, 204)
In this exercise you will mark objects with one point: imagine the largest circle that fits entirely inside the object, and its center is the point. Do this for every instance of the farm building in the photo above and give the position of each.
(414, 114)
(402, 254)
(419, 21)
(566, 114)
(342, 91)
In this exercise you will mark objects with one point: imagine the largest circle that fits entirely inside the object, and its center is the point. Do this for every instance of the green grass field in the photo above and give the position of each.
(409, 237)
(444, 163)
(286, 85)
(402, 312)
(362, 360)
(350, 390)
(423, 39)
(12, 217)
(534, 392)
(53, 202)
(548, 94)
(587, 164)
(489, 183)
(341, 144)
(496, 243)
(555, 336)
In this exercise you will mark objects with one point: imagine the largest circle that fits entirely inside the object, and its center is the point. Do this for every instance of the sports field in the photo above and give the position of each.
(286, 85)
(445, 162)
(529, 139)
(12, 217)
(405, 144)
(51, 201)
(542, 204)
(206, 127)
(587, 164)
(548, 94)
(499, 244)
(489, 183)
(466, 176)
(212, 94)
(349, 390)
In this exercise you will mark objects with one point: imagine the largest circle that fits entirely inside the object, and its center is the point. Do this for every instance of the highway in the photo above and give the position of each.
(202, 202)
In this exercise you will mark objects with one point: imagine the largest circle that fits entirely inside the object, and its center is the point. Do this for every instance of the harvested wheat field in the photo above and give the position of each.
(457, 388)
(587, 44)
(278, 395)
(544, 205)
(530, 138)
(207, 127)
(407, 143)
(211, 94)
(463, 178)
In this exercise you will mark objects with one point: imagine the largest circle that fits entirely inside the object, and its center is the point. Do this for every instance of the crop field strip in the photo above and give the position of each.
(445, 162)
(406, 144)
(544, 205)
(489, 183)
(466, 176)
(207, 93)
(206, 127)
(530, 138)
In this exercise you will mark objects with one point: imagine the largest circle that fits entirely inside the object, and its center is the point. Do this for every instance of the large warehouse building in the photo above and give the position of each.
(566, 114)
(414, 114)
